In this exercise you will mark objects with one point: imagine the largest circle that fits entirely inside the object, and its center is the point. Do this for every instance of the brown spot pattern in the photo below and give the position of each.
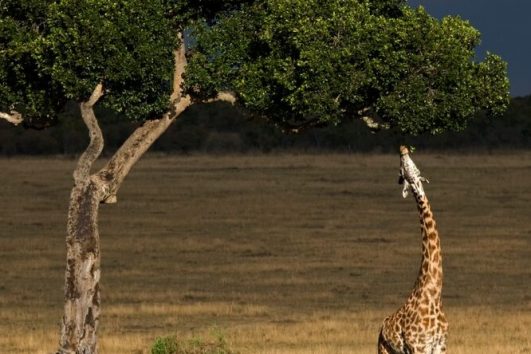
(420, 323)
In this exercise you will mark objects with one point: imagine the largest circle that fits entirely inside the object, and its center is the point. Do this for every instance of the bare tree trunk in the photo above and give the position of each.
(82, 295)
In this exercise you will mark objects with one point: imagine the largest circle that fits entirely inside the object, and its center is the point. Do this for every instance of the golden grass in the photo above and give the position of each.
(185, 310)
(283, 254)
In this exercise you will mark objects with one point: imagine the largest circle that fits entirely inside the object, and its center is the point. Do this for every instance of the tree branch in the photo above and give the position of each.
(95, 96)
(93, 150)
(14, 117)
(224, 96)
(179, 66)
(374, 123)
(115, 171)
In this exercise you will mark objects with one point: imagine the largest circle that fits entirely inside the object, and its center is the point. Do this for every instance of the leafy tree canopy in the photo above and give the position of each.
(54, 51)
(311, 62)
(295, 61)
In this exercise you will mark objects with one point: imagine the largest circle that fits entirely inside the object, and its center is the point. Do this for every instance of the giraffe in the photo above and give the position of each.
(419, 326)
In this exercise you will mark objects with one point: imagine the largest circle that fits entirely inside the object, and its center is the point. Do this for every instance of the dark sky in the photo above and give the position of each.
(505, 27)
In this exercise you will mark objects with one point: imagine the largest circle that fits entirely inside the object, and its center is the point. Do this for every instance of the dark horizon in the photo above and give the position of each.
(504, 29)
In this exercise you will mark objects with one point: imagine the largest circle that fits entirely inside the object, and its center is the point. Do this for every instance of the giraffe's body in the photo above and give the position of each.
(419, 326)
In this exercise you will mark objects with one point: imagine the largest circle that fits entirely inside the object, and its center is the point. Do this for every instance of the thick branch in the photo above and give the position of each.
(134, 147)
(115, 171)
(14, 118)
(93, 150)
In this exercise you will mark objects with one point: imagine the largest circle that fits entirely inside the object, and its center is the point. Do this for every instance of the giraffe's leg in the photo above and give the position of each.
(441, 347)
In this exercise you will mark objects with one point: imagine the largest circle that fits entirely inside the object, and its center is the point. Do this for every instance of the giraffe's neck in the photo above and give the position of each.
(430, 273)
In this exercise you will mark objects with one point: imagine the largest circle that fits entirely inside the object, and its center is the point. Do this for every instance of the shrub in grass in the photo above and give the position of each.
(164, 345)
(172, 345)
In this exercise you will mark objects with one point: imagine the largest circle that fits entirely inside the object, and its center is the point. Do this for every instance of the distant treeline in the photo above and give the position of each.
(220, 128)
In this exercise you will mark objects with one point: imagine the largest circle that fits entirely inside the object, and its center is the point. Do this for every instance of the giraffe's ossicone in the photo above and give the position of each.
(419, 326)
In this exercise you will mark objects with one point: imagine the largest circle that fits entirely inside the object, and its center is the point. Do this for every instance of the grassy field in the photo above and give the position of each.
(281, 254)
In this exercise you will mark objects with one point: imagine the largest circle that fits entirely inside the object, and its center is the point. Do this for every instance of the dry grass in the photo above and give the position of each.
(283, 254)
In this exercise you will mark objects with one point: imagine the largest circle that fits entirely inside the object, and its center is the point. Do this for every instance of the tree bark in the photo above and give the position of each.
(82, 294)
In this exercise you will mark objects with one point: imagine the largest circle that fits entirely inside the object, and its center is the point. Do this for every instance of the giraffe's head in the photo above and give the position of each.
(404, 150)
